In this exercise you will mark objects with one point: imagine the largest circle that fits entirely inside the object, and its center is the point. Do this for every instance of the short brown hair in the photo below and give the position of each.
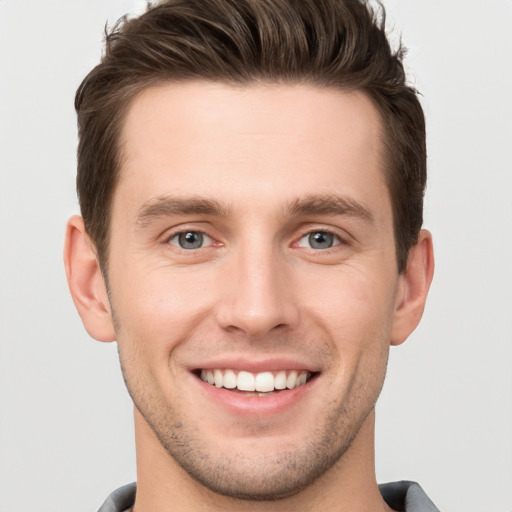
(330, 43)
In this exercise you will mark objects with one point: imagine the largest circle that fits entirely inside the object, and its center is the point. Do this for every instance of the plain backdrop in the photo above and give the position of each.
(445, 415)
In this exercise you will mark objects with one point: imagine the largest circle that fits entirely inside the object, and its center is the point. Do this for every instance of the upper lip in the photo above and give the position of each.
(271, 364)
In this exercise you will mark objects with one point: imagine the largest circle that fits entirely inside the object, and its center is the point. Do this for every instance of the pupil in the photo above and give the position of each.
(321, 240)
(191, 240)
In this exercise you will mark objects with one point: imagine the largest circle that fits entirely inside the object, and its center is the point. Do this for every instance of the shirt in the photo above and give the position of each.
(400, 496)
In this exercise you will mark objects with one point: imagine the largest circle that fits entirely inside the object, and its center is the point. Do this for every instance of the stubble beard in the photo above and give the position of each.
(268, 477)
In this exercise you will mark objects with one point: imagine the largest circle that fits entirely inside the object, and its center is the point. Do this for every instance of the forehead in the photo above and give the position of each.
(261, 142)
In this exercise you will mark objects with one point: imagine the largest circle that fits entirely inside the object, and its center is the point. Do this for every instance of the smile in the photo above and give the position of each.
(263, 382)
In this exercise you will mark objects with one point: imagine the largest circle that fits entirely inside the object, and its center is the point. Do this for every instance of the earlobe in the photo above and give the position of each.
(413, 289)
(86, 282)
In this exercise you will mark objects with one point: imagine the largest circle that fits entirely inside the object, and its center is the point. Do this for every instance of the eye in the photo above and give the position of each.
(190, 240)
(319, 240)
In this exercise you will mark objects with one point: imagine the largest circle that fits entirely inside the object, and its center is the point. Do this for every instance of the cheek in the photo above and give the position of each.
(354, 313)
(160, 302)
(159, 312)
(354, 305)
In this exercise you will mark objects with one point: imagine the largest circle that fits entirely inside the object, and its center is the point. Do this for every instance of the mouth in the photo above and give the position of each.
(257, 390)
(255, 384)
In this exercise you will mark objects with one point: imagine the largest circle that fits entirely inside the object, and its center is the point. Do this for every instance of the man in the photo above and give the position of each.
(251, 177)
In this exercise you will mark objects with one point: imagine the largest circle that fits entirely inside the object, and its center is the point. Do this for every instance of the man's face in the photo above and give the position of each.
(252, 245)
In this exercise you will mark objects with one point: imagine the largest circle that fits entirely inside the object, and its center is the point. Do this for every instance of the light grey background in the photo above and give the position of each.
(445, 416)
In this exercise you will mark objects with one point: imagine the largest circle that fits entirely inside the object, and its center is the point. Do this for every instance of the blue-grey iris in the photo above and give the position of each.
(190, 240)
(321, 240)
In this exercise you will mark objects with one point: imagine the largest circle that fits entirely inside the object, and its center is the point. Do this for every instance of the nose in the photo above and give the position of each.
(257, 294)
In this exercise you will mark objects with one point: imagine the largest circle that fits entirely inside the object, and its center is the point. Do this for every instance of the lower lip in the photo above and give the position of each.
(256, 406)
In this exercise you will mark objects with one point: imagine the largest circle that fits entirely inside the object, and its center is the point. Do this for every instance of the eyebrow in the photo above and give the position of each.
(314, 205)
(331, 204)
(168, 205)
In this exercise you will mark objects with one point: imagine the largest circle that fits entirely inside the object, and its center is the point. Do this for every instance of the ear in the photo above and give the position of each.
(413, 288)
(86, 282)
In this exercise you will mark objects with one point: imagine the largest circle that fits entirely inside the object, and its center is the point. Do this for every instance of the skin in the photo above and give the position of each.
(248, 168)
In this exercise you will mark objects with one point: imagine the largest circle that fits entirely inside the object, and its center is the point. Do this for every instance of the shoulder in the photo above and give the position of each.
(406, 496)
(120, 500)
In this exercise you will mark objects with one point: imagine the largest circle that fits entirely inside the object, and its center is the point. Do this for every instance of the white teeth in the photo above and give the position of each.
(230, 379)
(218, 378)
(280, 380)
(246, 382)
(291, 380)
(263, 382)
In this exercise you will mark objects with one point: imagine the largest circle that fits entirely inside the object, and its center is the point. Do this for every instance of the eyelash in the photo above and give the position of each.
(336, 239)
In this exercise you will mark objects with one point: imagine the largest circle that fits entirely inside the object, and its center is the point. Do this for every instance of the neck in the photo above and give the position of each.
(350, 485)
